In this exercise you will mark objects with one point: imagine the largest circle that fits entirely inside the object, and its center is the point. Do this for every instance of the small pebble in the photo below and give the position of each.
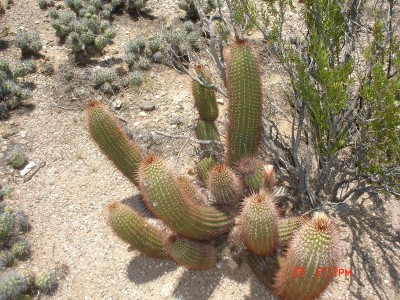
(220, 101)
(142, 114)
(117, 104)
(147, 105)
(23, 133)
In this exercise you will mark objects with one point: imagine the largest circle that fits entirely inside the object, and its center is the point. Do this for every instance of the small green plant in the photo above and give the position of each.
(12, 91)
(102, 76)
(28, 42)
(43, 4)
(45, 281)
(16, 158)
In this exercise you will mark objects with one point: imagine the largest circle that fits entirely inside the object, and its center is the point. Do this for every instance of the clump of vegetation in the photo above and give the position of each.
(28, 42)
(140, 52)
(182, 41)
(12, 91)
(45, 281)
(16, 158)
(43, 4)
(86, 27)
(13, 247)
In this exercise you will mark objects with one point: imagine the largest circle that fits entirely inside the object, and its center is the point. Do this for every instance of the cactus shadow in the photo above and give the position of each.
(197, 284)
(380, 257)
(142, 269)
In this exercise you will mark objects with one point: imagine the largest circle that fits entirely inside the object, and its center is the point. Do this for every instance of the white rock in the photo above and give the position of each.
(116, 104)
(136, 124)
(22, 133)
(220, 101)
(142, 114)
(27, 168)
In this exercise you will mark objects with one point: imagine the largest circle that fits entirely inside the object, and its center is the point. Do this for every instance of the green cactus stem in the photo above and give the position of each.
(287, 228)
(207, 131)
(12, 285)
(191, 254)
(45, 281)
(264, 267)
(251, 170)
(191, 190)
(259, 224)
(168, 202)
(224, 185)
(136, 230)
(204, 167)
(112, 140)
(204, 98)
(314, 248)
(245, 105)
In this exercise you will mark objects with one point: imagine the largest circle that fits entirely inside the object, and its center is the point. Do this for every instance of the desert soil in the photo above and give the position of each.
(66, 199)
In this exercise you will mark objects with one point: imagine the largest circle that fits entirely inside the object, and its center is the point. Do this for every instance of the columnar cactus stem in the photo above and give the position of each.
(245, 106)
(224, 185)
(251, 170)
(191, 254)
(136, 230)
(169, 202)
(112, 140)
(314, 248)
(204, 167)
(259, 224)
(287, 228)
(206, 130)
(191, 190)
(204, 97)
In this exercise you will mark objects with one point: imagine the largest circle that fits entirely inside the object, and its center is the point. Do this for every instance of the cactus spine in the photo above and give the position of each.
(113, 141)
(204, 97)
(135, 230)
(314, 246)
(259, 224)
(168, 201)
(245, 107)
(191, 254)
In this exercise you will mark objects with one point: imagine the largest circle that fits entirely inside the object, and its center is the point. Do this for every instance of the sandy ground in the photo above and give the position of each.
(66, 199)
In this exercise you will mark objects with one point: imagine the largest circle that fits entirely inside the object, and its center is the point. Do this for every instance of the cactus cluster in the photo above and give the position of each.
(12, 246)
(43, 4)
(189, 226)
(86, 26)
(182, 40)
(141, 52)
(12, 91)
(28, 42)
(20, 284)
